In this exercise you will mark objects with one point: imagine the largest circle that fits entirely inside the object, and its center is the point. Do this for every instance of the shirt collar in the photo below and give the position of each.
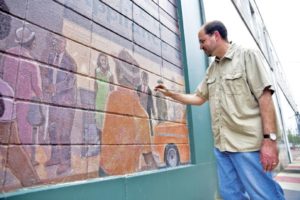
(229, 54)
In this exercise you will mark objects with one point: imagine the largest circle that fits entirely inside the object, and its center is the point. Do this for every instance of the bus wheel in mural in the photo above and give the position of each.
(171, 155)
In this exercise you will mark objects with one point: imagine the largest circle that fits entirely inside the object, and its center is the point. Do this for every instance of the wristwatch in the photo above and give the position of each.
(271, 136)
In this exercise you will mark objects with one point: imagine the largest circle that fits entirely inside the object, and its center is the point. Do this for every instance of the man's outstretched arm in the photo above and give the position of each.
(191, 99)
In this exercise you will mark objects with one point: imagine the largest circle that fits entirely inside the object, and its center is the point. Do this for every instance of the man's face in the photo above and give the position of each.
(207, 42)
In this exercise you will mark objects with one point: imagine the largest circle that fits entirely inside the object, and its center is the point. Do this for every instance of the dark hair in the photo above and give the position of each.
(213, 26)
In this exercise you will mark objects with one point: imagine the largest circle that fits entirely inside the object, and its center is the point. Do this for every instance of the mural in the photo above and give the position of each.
(76, 90)
(145, 95)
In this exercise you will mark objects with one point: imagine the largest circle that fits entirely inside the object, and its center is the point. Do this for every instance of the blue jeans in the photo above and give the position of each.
(241, 176)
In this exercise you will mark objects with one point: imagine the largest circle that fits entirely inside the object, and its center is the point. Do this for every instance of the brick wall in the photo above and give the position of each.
(77, 79)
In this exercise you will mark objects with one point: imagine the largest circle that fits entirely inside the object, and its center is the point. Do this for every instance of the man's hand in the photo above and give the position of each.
(163, 89)
(269, 155)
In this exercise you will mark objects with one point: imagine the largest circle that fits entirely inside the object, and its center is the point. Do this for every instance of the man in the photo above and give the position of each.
(60, 88)
(243, 116)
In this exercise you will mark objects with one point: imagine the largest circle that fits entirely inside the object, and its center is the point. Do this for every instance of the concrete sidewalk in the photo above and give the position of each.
(289, 178)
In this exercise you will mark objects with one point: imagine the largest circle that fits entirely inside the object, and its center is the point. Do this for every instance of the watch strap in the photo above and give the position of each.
(267, 136)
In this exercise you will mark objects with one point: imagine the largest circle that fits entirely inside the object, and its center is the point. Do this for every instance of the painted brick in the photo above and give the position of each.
(172, 72)
(47, 14)
(147, 40)
(9, 25)
(119, 108)
(86, 92)
(14, 7)
(171, 54)
(109, 42)
(122, 6)
(124, 159)
(93, 163)
(129, 130)
(168, 21)
(149, 6)
(9, 69)
(148, 60)
(76, 27)
(81, 56)
(83, 7)
(111, 19)
(51, 170)
(174, 2)
(170, 37)
(169, 8)
(3, 150)
(145, 20)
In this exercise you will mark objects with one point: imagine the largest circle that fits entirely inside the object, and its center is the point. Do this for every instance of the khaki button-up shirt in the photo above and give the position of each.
(233, 86)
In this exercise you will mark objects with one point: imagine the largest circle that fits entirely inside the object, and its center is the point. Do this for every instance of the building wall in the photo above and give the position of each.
(72, 73)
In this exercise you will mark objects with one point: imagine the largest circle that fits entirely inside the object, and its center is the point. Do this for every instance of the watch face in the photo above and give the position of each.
(273, 136)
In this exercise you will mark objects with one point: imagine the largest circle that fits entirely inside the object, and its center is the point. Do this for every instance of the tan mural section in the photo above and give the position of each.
(76, 90)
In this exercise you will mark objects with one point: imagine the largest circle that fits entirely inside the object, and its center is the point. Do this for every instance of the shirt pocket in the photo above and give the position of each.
(211, 85)
(233, 84)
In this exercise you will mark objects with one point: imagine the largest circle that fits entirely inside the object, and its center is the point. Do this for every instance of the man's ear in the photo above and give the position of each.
(217, 35)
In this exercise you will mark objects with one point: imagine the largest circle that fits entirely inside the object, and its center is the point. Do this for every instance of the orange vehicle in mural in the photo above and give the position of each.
(129, 141)
(170, 144)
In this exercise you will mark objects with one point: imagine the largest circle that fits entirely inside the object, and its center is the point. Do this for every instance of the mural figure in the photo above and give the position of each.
(175, 109)
(60, 88)
(26, 85)
(15, 157)
(102, 90)
(161, 105)
(145, 94)
(93, 123)
(117, 157)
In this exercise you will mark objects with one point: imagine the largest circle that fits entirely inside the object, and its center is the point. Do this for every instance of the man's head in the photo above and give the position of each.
(211, 36)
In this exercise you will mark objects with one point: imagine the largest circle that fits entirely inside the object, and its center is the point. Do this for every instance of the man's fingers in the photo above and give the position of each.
(159, 87)
(269, 165)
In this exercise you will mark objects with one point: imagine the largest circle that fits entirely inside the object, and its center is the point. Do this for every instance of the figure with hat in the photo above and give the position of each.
(24, 77)
(15, 156)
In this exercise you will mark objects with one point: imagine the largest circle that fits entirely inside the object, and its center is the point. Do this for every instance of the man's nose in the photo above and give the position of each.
(201, 46)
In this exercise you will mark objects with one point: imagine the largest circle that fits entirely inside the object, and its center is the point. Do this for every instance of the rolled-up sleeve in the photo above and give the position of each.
(202, 90)
(257, 76)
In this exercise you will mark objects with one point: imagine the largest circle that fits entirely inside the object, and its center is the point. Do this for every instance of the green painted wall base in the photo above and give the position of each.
(188, 182)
